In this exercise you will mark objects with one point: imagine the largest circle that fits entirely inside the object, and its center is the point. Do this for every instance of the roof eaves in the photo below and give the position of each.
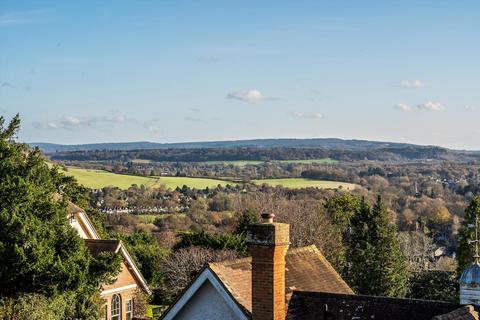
(231, 292)
(121, 248)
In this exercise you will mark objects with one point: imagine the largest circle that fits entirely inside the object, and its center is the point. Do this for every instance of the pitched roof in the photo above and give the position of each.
(463, 313)
(97, 246)
(306, 269)
(320, 305)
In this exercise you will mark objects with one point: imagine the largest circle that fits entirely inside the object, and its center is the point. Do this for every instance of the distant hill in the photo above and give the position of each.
(327, 143)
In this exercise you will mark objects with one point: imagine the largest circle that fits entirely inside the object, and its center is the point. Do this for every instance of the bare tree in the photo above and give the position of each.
(183, 265)
(419, 249)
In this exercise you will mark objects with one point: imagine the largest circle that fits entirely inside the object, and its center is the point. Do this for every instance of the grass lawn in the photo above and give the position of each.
(149, 309)
(297, 183)
(199, 183)
(98, 179)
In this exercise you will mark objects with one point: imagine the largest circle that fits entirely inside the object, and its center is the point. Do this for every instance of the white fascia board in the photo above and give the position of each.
(206, 275)
(88, 224)
(134, 268)
(116, 290)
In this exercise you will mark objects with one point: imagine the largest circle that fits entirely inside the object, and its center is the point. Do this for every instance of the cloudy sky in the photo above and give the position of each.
(170, 71)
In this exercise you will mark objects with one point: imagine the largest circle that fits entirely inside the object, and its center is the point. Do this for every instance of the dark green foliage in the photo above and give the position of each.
(341, 209)
(248, 217)
(40, 252)
(433, 285)
(466, 251)
(223, 241)
(147, 254)
(376, 265)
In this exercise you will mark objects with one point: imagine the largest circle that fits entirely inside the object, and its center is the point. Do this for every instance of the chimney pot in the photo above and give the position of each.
(267, 217)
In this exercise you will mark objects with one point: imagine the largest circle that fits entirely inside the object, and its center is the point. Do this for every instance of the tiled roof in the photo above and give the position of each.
(328, 306)
(306, 270)
(97, 246)
(463, 313)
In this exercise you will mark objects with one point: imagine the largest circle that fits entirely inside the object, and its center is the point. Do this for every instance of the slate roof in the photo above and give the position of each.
(328, 306)
(97, 246)
(306, 270)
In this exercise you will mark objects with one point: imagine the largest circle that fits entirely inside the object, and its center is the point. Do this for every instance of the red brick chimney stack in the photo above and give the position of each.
(268, 243)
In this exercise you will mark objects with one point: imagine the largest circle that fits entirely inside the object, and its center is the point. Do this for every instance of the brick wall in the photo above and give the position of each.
(268, 246)
(124, 278)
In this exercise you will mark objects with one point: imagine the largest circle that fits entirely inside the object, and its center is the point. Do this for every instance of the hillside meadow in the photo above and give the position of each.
(242, 163)
(297, 183)
(97, 179)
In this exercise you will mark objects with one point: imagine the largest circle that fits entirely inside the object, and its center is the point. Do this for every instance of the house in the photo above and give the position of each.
(119, 296)
(278, 283)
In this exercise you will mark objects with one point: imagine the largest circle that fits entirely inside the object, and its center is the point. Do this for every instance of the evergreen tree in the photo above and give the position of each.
(40, 252)
(466, 251)
(248, 217)
(341, 209)
(376, 265)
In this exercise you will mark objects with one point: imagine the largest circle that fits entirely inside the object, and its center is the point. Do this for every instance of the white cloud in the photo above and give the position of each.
(15, 18)
(307, 115)
(470, 108)
(431, 106)
(403, 107)
(248, 95)
(71, 122)
(412, 84)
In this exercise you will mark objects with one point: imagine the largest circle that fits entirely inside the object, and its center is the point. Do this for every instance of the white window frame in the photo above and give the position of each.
(116, 307)
(129, 309)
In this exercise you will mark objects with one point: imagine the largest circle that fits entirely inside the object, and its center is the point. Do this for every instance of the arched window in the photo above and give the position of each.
(116, 307)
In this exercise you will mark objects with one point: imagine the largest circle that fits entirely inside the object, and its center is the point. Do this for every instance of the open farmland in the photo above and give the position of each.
(98, 179)
(242, 163)
(296, 183)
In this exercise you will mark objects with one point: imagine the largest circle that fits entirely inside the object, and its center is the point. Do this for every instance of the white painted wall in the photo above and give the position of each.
(77, 226)
(469, 295)
(206, 303)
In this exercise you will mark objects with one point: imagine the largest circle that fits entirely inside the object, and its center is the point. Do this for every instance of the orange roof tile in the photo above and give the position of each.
(306, 270)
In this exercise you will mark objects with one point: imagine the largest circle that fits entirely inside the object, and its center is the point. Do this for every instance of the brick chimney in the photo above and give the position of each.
(268, 243)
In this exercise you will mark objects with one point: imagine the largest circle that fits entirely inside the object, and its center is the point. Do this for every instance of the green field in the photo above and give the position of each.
(98, 179)
(297, 183)
(242, 163)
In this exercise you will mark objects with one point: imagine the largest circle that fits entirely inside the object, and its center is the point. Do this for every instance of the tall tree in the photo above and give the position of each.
(376, 263)
(341, 209)
(466, 251)
(40, 252)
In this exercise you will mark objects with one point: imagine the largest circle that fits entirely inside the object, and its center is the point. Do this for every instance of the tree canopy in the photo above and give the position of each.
(376, 265)
(41, 253)
(466, 251)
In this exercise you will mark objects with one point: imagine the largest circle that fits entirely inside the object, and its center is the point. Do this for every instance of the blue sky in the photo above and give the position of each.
(170, 71)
